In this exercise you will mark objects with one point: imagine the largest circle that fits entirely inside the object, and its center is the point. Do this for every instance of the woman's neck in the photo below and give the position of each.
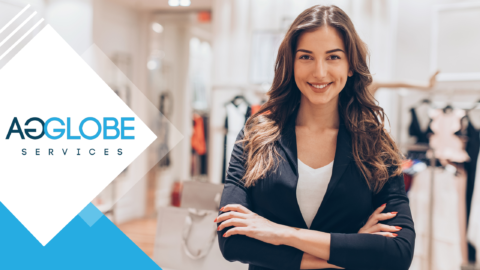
(318, 116)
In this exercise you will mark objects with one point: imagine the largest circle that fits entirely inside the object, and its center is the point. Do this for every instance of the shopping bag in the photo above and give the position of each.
(187, 239)
(200, 195)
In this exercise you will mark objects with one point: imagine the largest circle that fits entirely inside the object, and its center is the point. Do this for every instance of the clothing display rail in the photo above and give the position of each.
(437, 99)
(426, 147)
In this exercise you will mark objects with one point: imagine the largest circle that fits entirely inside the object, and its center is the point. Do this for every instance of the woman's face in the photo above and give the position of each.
(321, 66)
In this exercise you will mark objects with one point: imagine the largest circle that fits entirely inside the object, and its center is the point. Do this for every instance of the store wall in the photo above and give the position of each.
(120, 30)
(170, 49)
(72, 19)
(414, 56)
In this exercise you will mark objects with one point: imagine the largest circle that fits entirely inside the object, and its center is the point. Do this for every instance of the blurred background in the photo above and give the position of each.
(206, 65)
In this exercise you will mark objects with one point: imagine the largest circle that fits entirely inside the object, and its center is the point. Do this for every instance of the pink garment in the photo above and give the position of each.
(446, 144)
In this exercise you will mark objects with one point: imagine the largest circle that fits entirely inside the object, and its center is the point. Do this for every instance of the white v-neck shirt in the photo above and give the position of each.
(311, 188)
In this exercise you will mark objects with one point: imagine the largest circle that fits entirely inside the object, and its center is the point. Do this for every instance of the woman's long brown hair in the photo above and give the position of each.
(374, 151)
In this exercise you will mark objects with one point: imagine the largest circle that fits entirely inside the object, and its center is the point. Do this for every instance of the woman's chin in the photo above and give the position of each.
(319, 101)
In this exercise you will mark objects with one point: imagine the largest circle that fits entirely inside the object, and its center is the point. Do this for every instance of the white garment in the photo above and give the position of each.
(473, 233)
(446, 253)
(236, 121)
(311, 188)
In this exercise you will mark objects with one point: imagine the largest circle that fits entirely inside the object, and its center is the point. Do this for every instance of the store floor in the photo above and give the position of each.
(142, 233)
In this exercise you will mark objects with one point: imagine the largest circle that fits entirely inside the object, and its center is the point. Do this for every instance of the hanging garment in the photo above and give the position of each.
(407, 173)
(198, 136)
(407, 178)
(446, 252)
(237, 115)
(415, 129)
(204, 158)
(256, 108)
(236, 121)
(163, 151)
(473, 233)
(419, 129)
(163, 130)
(446, 144)
(473, 149)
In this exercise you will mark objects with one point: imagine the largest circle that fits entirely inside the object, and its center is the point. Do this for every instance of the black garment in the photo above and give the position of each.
(472, 148)
(224, 167)
(415, 129)
(203, 158)
(163, 149)
(347, 204)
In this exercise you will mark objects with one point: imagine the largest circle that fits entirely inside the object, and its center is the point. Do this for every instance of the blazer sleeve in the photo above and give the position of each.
(370, 251)
(243, 248)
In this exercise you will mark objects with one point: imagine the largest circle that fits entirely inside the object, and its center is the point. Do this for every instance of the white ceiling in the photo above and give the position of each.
(162, 5)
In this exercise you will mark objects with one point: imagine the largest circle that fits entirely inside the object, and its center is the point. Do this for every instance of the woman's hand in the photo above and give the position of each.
(373, 227)
(248, 223)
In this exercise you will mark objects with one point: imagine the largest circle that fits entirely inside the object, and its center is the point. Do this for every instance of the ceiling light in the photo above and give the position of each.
(174, 3)
(185, 3)
(152, 65)
(158, 28)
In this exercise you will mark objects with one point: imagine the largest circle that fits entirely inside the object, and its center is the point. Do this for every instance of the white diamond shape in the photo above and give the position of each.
(48, 79)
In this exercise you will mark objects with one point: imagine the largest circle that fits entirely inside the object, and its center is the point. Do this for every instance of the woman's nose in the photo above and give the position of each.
(320, 69)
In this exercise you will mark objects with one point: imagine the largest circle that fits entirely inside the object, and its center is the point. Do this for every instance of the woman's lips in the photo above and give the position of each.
(320, 90)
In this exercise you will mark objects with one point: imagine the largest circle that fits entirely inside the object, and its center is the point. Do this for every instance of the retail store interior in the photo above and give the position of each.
(206, 65)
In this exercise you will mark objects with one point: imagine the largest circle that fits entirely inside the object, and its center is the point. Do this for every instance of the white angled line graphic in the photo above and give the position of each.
(18, 28)
(14, 18)
(22, 38)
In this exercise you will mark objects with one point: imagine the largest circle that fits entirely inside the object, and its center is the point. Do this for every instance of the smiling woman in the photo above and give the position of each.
(314, 180)
(319, 69)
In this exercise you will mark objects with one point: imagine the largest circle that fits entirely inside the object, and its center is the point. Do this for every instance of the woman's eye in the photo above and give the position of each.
(334, 57)
(305, 57)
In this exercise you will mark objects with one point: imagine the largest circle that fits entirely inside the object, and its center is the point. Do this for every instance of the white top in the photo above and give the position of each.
(236, 121)
(311, 188)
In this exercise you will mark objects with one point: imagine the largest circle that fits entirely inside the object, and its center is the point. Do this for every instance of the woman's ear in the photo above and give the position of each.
(350, 73)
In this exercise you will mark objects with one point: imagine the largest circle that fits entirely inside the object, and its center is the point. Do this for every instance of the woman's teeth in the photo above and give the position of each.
(320, 86)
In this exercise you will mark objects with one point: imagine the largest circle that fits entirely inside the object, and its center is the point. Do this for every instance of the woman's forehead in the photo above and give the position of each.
(321, 40)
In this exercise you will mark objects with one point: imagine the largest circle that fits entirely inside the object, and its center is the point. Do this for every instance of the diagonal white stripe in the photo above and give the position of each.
(14, 18)
(18, 28)
(22, 38)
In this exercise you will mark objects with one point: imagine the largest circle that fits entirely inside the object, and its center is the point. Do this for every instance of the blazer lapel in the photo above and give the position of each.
(343, 157)
(288, 141)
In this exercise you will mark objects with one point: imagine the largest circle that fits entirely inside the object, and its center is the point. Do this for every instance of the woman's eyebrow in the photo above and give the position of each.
(331, 51)
(302, 50)
(335, 50)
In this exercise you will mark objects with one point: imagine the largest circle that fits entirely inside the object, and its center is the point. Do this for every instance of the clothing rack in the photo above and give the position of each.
(432, 159)
(430, 93)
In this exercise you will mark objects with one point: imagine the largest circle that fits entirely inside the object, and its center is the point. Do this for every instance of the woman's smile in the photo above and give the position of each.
(320, 87)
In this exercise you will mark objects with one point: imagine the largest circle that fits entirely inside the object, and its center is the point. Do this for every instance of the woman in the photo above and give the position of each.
(313, 164)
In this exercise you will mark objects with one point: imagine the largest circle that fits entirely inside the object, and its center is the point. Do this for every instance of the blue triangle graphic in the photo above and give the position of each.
(77, 246)
(90, 214)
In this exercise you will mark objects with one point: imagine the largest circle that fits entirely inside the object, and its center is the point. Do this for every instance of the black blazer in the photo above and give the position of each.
(347, 204)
